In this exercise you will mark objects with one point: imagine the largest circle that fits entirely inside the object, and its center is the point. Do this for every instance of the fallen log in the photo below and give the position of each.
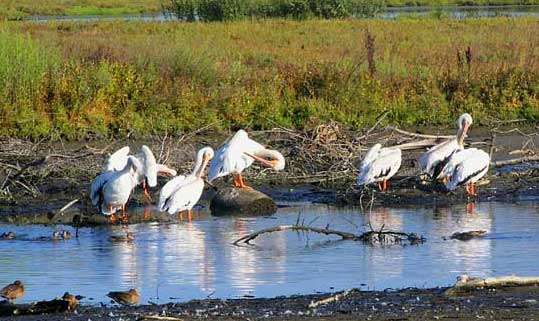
(240, 201)
(466, 283)
(381, 236)
(515, 161)
(416, 135)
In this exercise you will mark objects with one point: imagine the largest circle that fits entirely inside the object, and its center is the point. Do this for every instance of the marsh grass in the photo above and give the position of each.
(116, 78)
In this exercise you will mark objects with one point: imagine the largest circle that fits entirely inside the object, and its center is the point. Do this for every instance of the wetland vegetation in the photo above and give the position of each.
(111, 78)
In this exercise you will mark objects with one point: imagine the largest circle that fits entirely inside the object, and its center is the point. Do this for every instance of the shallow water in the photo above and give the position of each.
(178, 262)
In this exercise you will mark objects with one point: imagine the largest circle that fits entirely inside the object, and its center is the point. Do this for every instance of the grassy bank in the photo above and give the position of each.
(16, 9)
(113, 78)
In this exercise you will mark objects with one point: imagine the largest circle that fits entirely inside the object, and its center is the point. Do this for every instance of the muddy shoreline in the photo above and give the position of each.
(407, 304)
(37, 179)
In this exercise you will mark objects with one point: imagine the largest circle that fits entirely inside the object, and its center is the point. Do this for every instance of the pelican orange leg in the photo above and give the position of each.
(238, 181)
(112, 217)
(146, 193)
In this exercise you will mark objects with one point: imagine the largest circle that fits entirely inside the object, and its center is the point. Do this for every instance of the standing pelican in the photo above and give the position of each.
(238, 153)
(181, 193)
(379, 165)
(466, 167)
(117, 188)
(433, 161)
(146, 173)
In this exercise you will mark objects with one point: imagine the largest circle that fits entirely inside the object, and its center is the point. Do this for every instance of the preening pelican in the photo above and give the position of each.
(466, 167)
(379, 165)
(433, 161)
(117, 188)
(182, 192)
(238, 153)
(146, 175)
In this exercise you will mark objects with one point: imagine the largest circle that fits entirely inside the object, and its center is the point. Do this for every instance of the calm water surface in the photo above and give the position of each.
(177, 262)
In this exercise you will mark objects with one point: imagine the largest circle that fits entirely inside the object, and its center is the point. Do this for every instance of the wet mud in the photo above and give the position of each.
(407, 304)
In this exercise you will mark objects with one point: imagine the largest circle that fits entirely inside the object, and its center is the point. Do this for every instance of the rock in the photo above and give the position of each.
(242, 202)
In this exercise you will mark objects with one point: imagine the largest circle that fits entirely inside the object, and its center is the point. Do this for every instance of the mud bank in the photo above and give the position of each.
(37, 179)
(407, 304)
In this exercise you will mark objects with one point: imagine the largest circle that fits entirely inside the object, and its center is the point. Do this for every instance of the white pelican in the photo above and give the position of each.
(433, 161)
(117, 187)
(146, 174)
(379, 165)
(181, 193)
(238, 153)
(466, 167)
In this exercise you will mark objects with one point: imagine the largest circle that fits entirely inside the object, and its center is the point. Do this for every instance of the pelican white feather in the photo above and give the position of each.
(238, 153)
(465, 168)
(183, 192)
(433, 161)
(119, 186)
(379, 165)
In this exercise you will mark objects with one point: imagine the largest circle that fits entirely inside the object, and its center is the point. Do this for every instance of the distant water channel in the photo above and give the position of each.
(459, 12)
(183, 261)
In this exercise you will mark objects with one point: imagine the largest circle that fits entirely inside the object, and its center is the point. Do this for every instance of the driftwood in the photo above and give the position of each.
(515, 161)
(43, 307)
(331, 299)
(239, 201)
(466, 283)
(415, 135)
(368, 237)
(156, 317)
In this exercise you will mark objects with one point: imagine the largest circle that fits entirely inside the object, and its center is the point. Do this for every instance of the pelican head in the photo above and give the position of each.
(204, 155)
(464, 122)
(270, 158)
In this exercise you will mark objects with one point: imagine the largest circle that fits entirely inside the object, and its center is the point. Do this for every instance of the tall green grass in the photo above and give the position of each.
(81, 80)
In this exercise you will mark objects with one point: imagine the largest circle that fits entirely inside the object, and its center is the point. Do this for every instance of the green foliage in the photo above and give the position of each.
(83, 80)
(221, 10)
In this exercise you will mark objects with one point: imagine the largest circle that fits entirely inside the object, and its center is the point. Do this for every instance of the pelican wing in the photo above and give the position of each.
(470, 169)
(167, 190)
(96, 189)
(185, 197)
(230, 157)
(118, 160)
(457, 158)
(433, 161)
(150, 165)
(386, 164)
(371, 155)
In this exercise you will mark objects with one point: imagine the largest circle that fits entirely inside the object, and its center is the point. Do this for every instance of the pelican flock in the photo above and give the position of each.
(449, 162)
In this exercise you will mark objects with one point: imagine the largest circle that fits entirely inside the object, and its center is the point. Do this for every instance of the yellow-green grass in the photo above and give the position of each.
(112, 78)
(15, 9)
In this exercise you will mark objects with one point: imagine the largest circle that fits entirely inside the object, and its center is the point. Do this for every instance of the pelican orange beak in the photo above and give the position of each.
(269, 163)
(445, 179)
(167, 171)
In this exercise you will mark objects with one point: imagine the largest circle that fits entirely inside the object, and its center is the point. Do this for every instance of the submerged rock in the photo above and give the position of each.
(239, 201)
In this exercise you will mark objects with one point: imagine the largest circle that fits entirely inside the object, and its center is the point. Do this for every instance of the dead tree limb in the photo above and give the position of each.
(333, 298)
(252, 236)
(368, 237)
(514, 161)
(466, 283)
(415, 135)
